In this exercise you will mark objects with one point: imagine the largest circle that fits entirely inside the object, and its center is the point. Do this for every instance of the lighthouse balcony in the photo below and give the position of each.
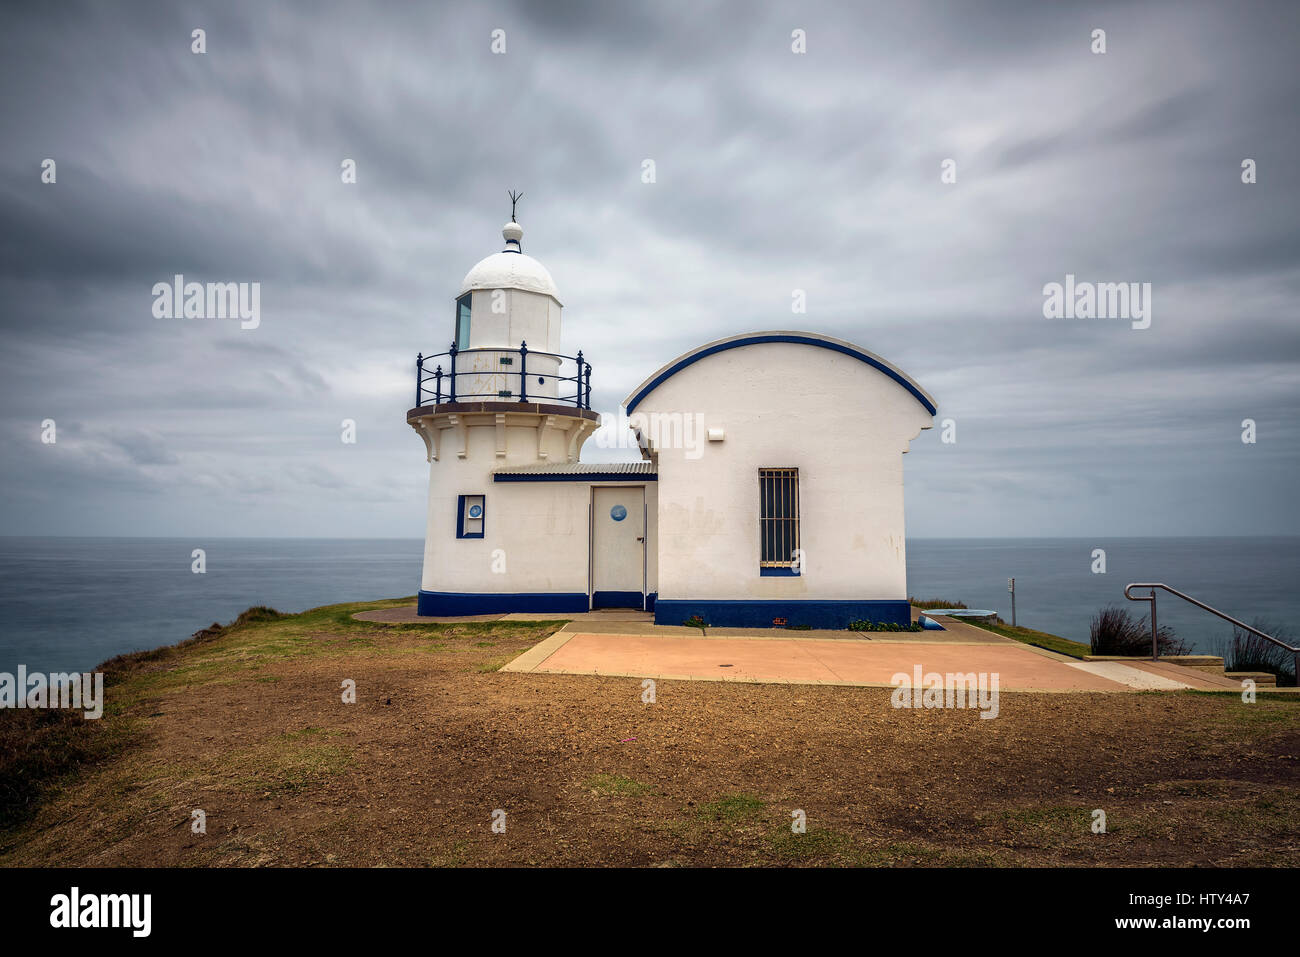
(508, 405)
(508, 376)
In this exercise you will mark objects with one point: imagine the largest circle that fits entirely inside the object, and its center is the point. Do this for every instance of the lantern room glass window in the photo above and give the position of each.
(462, 321)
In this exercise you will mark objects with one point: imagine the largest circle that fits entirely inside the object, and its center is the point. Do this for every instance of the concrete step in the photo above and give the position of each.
(1210, 663)
(1259, 677)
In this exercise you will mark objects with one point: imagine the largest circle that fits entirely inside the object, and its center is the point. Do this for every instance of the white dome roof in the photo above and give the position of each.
(510, 269)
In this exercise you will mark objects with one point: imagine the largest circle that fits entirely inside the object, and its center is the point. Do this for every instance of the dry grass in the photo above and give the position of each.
(248, 726)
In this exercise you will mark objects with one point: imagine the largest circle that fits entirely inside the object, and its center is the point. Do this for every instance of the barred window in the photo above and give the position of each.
(778, 523)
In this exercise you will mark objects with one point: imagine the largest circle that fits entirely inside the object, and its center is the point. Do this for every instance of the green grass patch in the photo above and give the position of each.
(1040, 639)
(1060, 820)
(733, 808)
(929, 604)
(816, 845)
(288, 763)
(453, 856)
(907, 854)
(615, 785)
(1229, 719)
(1270, 817)
(311, 731)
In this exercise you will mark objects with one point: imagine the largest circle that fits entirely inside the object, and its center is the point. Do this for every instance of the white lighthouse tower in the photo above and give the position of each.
(503, 396)
(747, 509)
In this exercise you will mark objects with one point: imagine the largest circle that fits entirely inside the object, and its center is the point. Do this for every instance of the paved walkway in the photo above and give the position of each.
(840, 661)
(635, 650)
(627, 643)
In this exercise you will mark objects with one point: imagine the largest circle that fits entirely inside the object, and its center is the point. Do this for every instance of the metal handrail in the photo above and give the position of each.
(1155, 648)
(581, 398)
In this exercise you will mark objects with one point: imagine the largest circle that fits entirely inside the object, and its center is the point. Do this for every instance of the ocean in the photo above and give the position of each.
(70, 603)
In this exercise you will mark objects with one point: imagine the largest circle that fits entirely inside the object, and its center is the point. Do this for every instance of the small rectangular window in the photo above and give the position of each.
(462, 321)
(471, 510)
(778, 523)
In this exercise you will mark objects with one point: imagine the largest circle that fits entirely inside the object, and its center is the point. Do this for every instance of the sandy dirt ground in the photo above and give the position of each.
(251, 730)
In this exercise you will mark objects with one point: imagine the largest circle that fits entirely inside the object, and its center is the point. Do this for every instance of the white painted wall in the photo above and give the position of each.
(841, 422)
(524, 317)
(530, 317)
(541, 529)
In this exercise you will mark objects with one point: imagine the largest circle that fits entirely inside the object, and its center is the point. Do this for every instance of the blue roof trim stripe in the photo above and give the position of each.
(752, 340)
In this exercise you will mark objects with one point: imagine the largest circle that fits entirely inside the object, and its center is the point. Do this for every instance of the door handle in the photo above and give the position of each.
(640, 538)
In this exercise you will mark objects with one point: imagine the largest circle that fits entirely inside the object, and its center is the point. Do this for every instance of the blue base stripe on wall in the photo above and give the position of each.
(759, 614)
(443, 603)
(616, 599)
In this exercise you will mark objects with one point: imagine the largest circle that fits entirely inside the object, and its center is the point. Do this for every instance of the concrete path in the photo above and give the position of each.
(627, 643)
(1131, 677)
(635, 649)
(842, 661)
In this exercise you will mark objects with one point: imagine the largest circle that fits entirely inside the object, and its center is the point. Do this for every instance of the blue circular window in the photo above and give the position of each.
(475, 511)
(618, 513)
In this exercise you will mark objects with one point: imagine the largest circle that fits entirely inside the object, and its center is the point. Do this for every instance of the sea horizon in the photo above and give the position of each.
(71, 602)
(403, 538)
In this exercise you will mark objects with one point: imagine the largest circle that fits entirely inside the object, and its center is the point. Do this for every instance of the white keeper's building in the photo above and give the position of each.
(770, 490)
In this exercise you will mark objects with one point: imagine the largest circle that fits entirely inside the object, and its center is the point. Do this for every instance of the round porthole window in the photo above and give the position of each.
(475, 511)
(618, 513)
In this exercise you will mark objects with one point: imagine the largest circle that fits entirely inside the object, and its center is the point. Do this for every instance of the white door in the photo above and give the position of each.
(618, 547)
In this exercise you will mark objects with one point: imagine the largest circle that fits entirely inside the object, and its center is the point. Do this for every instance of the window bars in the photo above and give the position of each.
(778, 522)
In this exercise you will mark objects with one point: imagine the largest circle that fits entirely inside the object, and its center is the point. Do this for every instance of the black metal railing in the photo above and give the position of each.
(508, 372)
(1155, 642)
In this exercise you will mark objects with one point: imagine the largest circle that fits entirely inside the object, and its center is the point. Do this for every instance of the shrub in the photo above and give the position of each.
(1115, 632)
(861, 625)
(695, 621)
(1249, 652)
(255, 614)
(931, 604)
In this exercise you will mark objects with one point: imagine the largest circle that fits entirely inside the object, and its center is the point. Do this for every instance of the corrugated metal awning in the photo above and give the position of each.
(579, 472)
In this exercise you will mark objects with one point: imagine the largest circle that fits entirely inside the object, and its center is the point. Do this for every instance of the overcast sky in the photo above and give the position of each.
(775, 171)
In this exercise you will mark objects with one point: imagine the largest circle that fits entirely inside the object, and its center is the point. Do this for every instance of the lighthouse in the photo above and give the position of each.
(769, 491)
(503, 395)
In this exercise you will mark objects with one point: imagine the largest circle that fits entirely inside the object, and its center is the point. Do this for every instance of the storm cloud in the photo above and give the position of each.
(775, 171)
